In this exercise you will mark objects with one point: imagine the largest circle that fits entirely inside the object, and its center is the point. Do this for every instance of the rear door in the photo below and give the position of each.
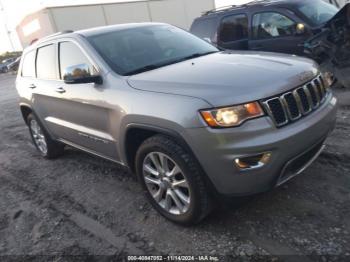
(233, 32)
(45, 98)
(274, 31)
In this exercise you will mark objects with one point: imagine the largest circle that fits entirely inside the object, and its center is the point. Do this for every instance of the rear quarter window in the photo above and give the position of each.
(204, 28)
(28, 67)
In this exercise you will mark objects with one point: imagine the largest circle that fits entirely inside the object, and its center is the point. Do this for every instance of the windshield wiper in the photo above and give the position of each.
(155, 66)
(143, 69)
(194, 56)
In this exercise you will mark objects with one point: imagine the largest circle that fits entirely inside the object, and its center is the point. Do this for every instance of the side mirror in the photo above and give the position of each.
(300, 29)
(80, 74)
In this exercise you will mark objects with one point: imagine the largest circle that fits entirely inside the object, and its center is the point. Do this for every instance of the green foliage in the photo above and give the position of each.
(9, 55)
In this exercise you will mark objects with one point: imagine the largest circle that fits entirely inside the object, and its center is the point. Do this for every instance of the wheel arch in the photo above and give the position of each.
(136, 134)
(25, 111)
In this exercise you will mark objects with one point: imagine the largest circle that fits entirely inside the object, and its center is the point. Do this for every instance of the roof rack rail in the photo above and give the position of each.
(55, 34)
(229, 7)
(218, 9)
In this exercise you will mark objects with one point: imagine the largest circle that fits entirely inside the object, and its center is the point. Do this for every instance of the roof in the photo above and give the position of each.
(111, 28)
(256, 3)
(91, 32)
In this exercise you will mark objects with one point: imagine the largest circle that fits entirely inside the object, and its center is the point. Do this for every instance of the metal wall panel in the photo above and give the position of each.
(126, 13)
(169, 11)
(53, 19)
(78, 17)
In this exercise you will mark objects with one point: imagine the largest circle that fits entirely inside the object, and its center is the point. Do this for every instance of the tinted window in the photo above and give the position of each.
(318, 12)
(28, 68)
(71, 55)
(140, 49)
(203, 28)
(46, 62)
(234, 28)
(270, 24)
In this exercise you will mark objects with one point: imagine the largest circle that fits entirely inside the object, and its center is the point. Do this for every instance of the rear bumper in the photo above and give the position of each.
(289, 145)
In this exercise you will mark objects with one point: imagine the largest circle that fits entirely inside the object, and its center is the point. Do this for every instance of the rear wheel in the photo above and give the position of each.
(47, 147)
(172, 180)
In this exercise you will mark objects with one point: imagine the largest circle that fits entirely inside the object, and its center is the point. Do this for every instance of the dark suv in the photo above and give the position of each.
(312, 28)
(278, 26)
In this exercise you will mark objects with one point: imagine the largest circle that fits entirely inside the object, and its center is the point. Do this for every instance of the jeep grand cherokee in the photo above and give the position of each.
(192, 122)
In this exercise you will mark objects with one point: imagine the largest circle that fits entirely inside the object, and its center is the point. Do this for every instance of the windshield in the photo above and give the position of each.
(318, 12)
(146, 48)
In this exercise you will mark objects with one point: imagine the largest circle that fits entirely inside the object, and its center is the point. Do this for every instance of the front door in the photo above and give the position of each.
(275, 32)
(75, 113)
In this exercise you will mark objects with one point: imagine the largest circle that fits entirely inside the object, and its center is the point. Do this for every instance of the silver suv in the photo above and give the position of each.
(191, 121)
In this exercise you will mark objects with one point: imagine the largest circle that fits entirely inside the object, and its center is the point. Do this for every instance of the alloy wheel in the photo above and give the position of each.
(166, 183)
(38, 136)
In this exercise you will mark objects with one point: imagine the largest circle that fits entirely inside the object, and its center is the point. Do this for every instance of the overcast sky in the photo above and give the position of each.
(15, 10)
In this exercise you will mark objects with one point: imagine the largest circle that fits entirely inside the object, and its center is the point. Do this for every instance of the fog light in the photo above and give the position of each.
(254, 161)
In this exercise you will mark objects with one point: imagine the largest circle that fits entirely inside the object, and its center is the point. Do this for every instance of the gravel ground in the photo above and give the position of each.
(83, 205)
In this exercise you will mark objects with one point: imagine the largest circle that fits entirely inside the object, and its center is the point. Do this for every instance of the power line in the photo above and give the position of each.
(8, 32)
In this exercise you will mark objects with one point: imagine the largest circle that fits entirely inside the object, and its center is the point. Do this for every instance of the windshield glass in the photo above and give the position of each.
(318, 12)
(141, 49)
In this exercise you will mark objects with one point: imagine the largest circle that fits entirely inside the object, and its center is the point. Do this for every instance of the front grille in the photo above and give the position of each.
(293, 105)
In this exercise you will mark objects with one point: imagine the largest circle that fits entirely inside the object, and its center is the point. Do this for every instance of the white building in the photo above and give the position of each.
(74, 17)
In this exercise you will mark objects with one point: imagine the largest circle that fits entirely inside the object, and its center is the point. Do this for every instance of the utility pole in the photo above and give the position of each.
(8, 32)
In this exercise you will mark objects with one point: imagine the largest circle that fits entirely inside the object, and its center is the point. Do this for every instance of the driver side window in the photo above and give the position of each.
(271, 24)
(71, 55)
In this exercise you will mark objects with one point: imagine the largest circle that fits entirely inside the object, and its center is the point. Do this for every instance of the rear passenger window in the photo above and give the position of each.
(71, 55)
(46, 62)
(28, 67)
(234, 28)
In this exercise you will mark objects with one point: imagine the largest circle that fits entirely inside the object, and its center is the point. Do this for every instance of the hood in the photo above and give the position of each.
(332, 43)
(229, 78)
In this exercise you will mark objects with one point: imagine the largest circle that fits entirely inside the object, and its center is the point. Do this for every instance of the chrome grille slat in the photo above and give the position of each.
(321, 87)
(317, 94)
(293, 111)
(305, 98)
(293, 105)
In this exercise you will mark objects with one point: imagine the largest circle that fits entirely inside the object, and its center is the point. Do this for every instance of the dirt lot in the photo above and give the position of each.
(80, 204)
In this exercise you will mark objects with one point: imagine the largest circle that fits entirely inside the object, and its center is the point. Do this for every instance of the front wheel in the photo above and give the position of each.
(47, 147)
(172, 180)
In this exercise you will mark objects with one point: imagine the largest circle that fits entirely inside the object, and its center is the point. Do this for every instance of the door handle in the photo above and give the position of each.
(32, 86)
(60, 90)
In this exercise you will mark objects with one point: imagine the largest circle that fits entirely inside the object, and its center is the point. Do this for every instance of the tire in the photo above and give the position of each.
(46, 146)
(195, 199)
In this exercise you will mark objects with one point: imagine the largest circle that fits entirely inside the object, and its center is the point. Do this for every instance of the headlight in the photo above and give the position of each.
(328, 79)
(232, 116)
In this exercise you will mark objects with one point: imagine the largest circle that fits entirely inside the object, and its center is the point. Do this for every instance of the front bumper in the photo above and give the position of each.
(216, 150)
